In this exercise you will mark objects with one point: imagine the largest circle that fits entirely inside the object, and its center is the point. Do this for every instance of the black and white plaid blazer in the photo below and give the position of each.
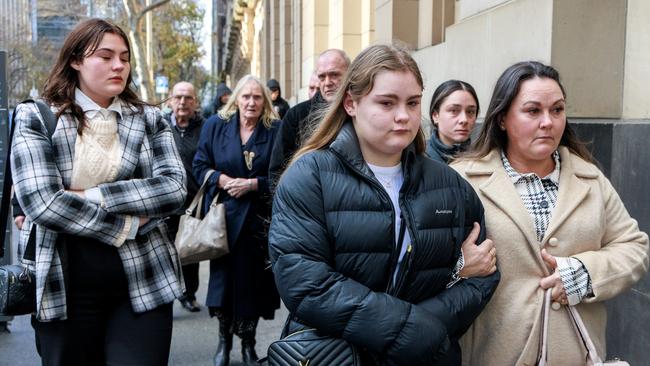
(150, 182)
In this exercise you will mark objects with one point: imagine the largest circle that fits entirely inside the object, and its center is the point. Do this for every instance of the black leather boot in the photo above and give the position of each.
(224, 345)
(249, 357)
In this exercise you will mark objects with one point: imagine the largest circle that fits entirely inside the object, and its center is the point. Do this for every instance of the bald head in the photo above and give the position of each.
(183, 103)
(331, 68)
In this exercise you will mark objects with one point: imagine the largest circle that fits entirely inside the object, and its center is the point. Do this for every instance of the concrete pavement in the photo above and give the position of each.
(193, 340)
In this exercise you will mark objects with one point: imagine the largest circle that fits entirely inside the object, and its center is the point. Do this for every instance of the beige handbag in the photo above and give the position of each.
(592, 355)
(202, 239)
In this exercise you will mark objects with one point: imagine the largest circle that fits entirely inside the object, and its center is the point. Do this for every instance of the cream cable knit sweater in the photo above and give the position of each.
(97, 157)
(97, 153)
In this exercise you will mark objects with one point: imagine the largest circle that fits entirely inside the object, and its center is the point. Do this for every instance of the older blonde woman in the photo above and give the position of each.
(556, 221)
(236, 144)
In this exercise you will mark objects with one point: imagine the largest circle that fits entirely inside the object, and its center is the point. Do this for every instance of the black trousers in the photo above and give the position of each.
(191, 276)
(102, 328)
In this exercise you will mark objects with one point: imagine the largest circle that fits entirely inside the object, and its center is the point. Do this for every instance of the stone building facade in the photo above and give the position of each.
(600, 48)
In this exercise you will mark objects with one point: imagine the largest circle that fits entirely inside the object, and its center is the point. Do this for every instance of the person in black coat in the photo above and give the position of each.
(280, 106)
(222, 97)
(366, 231)
(453, 111)
(186, 125)
(236, 146)
(289, 137)
(301, 120)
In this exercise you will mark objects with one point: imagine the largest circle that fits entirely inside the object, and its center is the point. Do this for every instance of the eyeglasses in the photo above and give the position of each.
(189, 98)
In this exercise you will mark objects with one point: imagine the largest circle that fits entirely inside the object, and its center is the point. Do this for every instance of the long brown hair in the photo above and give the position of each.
(230, 108)
(358, 82)
(59, 89)
(505, 91)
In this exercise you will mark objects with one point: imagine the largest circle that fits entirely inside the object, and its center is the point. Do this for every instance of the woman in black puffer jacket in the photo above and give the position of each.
(341, 261)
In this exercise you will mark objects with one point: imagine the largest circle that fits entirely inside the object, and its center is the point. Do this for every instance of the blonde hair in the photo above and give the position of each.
(230, 108)
(358, 82)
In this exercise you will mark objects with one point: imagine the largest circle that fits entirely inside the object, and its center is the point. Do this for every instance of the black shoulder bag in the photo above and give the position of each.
(17, 282)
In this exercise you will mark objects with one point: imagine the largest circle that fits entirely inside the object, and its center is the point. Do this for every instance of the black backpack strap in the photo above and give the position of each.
(50, 124)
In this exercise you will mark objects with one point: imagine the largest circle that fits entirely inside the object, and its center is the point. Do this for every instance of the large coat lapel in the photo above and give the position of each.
(499, 189)
(233, 156)
(63, 144)
(131, 130)
(573, 190)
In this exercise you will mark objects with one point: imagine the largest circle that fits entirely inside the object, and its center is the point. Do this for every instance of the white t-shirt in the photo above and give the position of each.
(392, 178)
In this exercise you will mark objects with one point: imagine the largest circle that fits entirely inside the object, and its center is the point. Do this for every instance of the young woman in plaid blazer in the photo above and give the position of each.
(105, 281)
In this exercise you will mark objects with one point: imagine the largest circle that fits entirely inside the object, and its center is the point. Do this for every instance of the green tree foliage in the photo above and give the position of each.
(177, 29)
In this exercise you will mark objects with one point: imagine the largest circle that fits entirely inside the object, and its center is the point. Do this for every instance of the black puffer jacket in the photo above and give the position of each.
(333, 251)
(296, 126)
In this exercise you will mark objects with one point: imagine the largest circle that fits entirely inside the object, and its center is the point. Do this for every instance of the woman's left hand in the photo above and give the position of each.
(238, 187)
(554, 281)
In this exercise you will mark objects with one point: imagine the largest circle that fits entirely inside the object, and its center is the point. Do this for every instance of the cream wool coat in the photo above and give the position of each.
(589, 223)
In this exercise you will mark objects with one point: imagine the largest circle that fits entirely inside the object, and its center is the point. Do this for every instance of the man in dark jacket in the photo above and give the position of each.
(186, 125)
(279, 104)
(299, 121)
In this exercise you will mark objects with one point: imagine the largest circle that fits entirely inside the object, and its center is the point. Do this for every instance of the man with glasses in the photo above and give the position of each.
(186, 126)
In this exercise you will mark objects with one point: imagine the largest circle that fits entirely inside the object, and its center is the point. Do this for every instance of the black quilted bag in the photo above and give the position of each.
(18, 287)
(308, 348)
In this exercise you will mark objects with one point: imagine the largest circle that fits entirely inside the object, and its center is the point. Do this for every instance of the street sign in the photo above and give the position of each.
(162, 84)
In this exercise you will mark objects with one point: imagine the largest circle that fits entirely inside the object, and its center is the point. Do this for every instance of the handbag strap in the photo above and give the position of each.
(50, 124)
(198, 199)
(543, 346)
(579, 327)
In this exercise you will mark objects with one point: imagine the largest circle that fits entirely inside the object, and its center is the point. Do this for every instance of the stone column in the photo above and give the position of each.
(433, 17)
(285, 76)
(315, 29)
(399, 20)
(345, 26)
(367, 22)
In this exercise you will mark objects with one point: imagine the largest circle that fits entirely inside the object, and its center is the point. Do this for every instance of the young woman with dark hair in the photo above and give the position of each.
(453, 110)
(105, 280)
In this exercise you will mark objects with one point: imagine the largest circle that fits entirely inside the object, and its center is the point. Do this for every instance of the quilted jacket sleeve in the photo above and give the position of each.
(39, 187)
(159, 195)
(459, 305)
(301, 249)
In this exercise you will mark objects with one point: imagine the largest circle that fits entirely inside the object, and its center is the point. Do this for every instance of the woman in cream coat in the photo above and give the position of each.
(556, 222)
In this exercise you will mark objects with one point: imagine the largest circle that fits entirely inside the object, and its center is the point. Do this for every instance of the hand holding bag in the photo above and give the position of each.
(592, 355)
(202, 239)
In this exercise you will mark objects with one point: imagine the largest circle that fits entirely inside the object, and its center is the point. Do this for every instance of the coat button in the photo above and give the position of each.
(553, 242)
(556, 305)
